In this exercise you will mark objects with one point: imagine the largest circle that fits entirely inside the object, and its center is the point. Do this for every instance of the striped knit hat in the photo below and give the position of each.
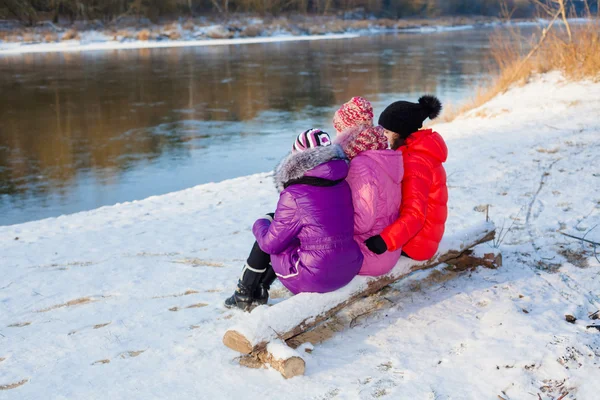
(362, 138)
(311, 138)
(358, 111)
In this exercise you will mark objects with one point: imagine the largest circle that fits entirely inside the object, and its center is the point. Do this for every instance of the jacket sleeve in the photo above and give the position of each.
(364, 196)
(416, 186)
(276, 236)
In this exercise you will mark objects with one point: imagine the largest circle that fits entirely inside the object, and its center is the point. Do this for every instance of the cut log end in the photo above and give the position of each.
(236, 341)
(292, 367)
(288, 368)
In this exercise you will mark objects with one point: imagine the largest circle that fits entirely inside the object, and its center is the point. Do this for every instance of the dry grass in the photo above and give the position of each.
(577, 59)
(76, 302)
(197, 305)
(222, 33)
(14, 385)
(131, 354)
(144, 34)
(71, 34)
(197, 262)
(123, 34)
(50, 37)
(189, 25)
(174, 35)
(19, 325)
(252, 30)
(29, 37)
(186, 293)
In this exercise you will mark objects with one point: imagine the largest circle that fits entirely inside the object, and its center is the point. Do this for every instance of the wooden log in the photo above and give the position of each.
(288, 367)
(389, 296)
(280, 357)
(304, 311)
(469, 260)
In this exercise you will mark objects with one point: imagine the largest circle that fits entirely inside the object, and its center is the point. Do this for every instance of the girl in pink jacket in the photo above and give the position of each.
(374, 177)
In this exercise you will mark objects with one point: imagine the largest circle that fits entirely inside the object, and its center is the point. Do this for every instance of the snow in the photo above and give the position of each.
(76, 45)
(126, 301)
(281, 351)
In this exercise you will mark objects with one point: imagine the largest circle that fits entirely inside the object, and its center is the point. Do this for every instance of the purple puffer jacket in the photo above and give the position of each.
(375, 178)
(311, 237)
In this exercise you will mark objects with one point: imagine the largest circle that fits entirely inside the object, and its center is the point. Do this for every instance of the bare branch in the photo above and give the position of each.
(580, 238)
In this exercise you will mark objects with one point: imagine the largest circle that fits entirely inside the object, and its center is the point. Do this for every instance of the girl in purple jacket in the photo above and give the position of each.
(308, 243)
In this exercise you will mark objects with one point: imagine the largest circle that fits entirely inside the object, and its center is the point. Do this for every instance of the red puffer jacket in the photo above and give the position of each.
(423, 211)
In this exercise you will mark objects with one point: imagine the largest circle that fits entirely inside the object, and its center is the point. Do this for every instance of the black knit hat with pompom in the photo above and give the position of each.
(404, 117)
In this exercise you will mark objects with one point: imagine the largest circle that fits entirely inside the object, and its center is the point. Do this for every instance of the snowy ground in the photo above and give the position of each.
(125, 302)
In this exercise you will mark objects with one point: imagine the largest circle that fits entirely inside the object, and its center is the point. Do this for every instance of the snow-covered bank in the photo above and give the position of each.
(126, 301)
(50, 38)
(176, 35)
(76, 45)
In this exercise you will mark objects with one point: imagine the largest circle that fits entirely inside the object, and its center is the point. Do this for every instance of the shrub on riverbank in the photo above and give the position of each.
(572, 50)
(128, 29)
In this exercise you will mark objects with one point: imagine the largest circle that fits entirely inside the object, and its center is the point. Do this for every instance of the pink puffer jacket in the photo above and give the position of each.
(375, 178)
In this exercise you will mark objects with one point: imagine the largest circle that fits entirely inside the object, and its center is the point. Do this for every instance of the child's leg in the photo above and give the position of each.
(253, 272)
(261, 294)
(258, 259)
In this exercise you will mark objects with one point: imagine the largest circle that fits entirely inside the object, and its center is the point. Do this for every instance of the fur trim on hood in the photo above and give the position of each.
(296, 165)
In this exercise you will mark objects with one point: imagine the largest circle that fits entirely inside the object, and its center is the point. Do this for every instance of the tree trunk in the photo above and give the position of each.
(22, 9)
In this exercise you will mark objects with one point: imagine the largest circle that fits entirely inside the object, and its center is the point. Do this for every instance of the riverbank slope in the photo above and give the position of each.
(126, 301)
(48, 37)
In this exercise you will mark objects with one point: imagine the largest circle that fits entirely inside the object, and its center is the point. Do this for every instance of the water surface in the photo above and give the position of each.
(83, 130)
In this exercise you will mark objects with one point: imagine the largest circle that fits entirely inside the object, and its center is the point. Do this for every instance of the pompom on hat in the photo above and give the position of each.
(404, 117)
(358, 111)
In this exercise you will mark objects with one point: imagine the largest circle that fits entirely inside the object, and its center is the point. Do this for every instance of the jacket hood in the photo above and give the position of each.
(429, 142)
(387, 160)
(327, 162)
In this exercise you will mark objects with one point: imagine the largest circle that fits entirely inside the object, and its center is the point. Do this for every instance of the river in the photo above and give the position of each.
(83, 130)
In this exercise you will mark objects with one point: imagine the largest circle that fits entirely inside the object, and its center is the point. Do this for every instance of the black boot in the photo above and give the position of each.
(261, 294)
(243, 296)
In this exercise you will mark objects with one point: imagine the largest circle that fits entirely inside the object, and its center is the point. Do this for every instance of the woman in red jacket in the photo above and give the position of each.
(423, 211)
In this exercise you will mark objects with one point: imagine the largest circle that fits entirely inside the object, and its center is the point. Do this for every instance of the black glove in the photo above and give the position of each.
(376, 244)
